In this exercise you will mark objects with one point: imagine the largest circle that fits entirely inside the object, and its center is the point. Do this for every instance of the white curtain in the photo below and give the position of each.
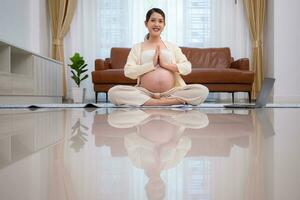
(99, 25)
(230, 28)
(81, 38)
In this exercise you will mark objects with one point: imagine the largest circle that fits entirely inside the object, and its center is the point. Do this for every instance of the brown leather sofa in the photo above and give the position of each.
(212, 67)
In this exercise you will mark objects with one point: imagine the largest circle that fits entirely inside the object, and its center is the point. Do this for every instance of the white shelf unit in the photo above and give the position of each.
(26, 77)
(4, 58)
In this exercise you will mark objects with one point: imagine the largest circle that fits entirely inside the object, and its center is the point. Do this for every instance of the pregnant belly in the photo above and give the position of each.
(158, 81)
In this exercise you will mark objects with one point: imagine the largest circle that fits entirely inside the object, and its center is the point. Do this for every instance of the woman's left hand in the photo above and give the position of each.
(167, 66)
(162, 63)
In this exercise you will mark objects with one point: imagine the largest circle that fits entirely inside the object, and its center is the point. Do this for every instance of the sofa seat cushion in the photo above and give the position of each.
(111, 76)
(224, 76)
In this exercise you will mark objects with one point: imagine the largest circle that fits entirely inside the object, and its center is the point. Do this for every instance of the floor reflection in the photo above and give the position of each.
(157, 141)
(134, 154)
(22, 133)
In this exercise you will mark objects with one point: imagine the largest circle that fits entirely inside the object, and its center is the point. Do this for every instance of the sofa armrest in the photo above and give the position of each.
(101, 64)
(242, 64)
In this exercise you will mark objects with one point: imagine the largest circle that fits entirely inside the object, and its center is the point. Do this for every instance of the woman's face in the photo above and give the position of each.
(155, 24)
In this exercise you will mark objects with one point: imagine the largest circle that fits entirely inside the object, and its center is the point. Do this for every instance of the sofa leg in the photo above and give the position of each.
(249, 96)
(96, 97)
(232, 97)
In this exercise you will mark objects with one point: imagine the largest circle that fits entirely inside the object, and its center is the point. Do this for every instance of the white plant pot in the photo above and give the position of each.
(78, 94)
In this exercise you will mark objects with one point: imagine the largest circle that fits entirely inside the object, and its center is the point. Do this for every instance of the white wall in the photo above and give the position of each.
(40, 31)
(26, 24)
(286, 45)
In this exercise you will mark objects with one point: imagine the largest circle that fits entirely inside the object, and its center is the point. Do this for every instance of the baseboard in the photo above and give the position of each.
(18, 99)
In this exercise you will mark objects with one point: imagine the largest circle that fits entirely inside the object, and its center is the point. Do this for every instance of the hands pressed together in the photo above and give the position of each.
(156, 57)
(157, 61)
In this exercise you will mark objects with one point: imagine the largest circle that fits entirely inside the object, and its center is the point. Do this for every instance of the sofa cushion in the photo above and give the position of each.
(208, 57)
(115, 76)
(210, 75)
(118, 57)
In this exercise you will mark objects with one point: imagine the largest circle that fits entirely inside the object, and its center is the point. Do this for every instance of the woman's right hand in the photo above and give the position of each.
(156, 56)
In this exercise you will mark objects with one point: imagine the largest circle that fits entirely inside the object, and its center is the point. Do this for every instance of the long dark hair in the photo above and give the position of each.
(155, 10)
(150, 12)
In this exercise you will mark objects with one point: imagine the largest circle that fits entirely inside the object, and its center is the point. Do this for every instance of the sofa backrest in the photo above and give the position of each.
(208, 57)
(199, 57)
(118, 57)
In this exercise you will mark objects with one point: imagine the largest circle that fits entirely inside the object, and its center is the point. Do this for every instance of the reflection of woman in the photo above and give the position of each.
(159, 142)
(157, 66)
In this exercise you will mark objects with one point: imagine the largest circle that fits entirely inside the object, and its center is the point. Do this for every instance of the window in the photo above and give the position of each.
(193, 23)
(112, 29)
(197, 26)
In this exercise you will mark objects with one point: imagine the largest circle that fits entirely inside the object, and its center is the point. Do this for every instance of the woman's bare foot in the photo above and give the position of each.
(156, 96)
(163, 102)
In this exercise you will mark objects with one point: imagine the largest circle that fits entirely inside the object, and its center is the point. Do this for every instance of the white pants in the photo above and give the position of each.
(193, 94)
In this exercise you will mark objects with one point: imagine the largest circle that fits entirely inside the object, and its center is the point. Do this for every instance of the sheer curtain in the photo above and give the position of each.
(99, 25)
(81, 38)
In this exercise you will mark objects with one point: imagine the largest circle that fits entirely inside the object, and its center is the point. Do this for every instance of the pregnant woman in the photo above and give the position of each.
(157, 66)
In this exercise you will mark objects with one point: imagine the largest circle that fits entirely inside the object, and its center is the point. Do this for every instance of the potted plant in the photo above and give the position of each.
(78, 68)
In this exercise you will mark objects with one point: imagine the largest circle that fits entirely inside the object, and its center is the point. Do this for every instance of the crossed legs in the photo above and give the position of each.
(194, 94)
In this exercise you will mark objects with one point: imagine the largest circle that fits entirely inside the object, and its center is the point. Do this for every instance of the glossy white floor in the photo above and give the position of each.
(134, 154)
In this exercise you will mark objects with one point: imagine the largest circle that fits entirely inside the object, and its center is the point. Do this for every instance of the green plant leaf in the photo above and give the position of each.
(73, 73)
(85, 77)
(82, 66)
(78, 68)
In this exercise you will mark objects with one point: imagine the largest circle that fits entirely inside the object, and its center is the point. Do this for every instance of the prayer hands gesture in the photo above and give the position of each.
(156, 59)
